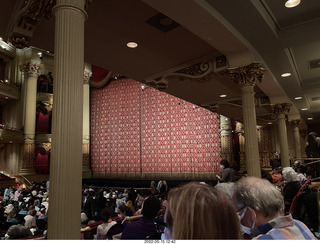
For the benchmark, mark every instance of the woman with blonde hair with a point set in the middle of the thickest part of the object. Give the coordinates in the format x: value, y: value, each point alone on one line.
x: 198, y: 211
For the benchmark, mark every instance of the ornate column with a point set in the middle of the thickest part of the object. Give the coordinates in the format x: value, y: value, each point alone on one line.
x: 31, y: 72
x: 66, y: 149
x: 226, y: 139
x: 297, y: 147
x: 86, y: 172
x: 281, y: 110
x: 246, y: 76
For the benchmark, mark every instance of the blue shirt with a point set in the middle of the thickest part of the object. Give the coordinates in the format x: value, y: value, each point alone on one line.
x: 282, y: 228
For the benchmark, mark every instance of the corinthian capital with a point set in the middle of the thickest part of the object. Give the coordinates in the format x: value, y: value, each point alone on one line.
x: 31, y: 69
x: 86, y: 76
x: 247, y: 74
x: 281, y: 108
x: 295, y: 123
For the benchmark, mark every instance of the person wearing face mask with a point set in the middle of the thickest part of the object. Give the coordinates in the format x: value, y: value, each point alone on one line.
x: 227, y: 174
x: 261, y: 209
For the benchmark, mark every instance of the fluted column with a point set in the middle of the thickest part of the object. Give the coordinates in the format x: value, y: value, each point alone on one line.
x: 31, y: 72
x: 86, y: 172
x: 281, y: 110
x: 246, y: 76
x: 66, y: 150
x: 297, y: 147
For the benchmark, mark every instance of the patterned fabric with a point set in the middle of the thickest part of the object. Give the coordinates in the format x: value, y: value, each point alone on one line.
x: 139, y: 131
x: 282, y: 228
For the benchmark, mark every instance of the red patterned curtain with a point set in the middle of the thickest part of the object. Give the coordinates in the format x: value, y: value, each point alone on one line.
x: 142, y: 131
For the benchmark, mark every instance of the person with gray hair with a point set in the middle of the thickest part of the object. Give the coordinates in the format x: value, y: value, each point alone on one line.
x: 260, y: 206
x: 226, y: 188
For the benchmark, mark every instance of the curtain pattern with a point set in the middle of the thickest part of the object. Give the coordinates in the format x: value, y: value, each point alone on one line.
x: 140, y: 131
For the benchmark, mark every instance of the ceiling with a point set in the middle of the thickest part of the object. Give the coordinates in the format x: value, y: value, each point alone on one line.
x: 265, y: 31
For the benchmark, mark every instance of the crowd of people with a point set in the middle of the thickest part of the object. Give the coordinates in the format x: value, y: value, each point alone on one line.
x: 247, y: 208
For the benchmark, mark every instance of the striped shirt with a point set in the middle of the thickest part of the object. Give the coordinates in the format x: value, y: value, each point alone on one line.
x: 282, y: 228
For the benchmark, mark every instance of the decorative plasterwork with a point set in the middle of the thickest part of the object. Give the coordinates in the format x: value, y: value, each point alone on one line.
x: 31, y: 69
x: 281, y: 108
x: 86, y: 76
x: 200, y: 71
x: 267, y: 117
x: 247, y: 74
x: 29, y: 15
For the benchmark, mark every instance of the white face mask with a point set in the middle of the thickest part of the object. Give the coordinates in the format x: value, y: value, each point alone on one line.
x: 246, y: 229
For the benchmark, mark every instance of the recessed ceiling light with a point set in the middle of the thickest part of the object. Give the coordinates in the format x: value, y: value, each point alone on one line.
x: 132, y: 44
x: 269, y: 123
x: 292, y: 3
x: 285, y: 74
x: 298, y: 98
x: 223, y: 95
x: 310, y: 118
x: 7, y: 98
x: 304, y: 109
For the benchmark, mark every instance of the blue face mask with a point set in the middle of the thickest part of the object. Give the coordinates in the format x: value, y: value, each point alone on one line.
x: 246, y: 229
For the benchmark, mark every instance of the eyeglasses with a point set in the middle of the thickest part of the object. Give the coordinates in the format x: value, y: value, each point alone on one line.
x: 240, y: 209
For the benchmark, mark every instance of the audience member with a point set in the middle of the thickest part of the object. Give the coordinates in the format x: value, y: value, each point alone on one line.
x: 18, y: 231
x: 227, y: 172
x: 198, y: 211
x: 30, y: 219
x: 144, y: 228
x: 277, y: 175
x: 312, y: 146
x: 103, y: 229
x: 261, y: 209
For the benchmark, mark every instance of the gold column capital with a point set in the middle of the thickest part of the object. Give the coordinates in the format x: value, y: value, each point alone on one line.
x: 31, y: 68
x: 295, y: 123
x: 281, y: 108
x: 86, y: 76
x: 247, y: 75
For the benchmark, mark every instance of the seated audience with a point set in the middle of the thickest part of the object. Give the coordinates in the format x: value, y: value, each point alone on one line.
x: 292, y: 185
x: 123, y: 213
x: 18, y: 231
x: 30, y: 219
x: 261, y: 209
x: 277, y: 175
x: 103, y: 229
x: 227, y: 172
x: 144, y: 228
x: 198, y: 211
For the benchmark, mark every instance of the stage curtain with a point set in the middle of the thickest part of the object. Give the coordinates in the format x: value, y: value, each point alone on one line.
x: 141, y: 131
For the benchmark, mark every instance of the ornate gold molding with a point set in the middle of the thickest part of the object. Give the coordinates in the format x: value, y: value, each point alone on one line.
x: 281, y: 108
x: 28, y: 16
x: 28, y: 156
x: 31, y: 69
x: 247, y: 75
